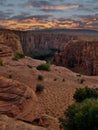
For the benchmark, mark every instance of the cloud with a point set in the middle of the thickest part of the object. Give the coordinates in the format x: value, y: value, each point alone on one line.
x: 25, y: 15
x: 35, y: 3
x: 59, y: 7
x: 5, y: 14
x: 2, y: 2
x: 39, y: 22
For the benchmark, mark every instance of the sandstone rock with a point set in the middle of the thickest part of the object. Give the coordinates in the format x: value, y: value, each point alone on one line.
x: 80, y: 56
x: 7, y: 123
x: 43, y: 43
x: 18, y: 100
x: 5, y: 51
x: 12, y: 40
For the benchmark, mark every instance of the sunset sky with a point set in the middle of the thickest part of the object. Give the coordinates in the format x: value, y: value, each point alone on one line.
x: 40, y: 14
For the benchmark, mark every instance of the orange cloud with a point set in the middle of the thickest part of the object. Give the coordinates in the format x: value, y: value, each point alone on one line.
x: 60, y: 7
x: 34, y: 23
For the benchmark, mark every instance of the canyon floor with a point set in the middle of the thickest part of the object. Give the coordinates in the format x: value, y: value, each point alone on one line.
x: 60, y: 84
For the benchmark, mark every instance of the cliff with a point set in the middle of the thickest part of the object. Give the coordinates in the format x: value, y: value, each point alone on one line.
x: 10, y: 39
x: 79, y: 56
x: 41, y: 45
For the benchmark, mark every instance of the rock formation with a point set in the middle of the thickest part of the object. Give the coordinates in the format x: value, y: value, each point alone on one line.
x: 7, y: 123
x: 43, y: 44
x: 12, y: 40
x: 18, y: 100
x: 80, y: 56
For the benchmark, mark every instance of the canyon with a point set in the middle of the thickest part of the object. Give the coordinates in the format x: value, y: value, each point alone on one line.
x: 21, y: 107
x: 60, y: 48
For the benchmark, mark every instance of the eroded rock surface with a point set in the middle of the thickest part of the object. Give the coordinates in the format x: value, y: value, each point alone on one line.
x: 7, y: 123
x: 18, y: 100
x: 80, y: 56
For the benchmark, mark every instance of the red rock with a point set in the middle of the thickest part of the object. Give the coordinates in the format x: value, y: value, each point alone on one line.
x: 80, y: 56
x: 7, y: 123
x: 18, y: 100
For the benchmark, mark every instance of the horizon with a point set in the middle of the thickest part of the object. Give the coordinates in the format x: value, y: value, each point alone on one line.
x: 48, y: 14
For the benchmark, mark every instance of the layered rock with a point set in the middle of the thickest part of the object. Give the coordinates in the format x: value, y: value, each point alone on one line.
x: 7, y: 123
x: 5, y: 51
x: 12, y: 40
x: 42, y: 44
x: 18, y: 100
x: 80, y: 56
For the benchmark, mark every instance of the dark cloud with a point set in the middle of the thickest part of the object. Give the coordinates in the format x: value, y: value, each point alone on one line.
x: 24, y: 16
x: 50, y: 10
x: 39, y: 3
x: 5, y: 14
x: 2, y: 2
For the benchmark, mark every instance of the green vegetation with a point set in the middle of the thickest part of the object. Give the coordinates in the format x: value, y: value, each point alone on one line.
x: 44, y: 66
x: 83, y: 93
x: 40, y: 77
x: 81, y: 81
x: 40, y: 88
x: 81, y: 116
x: 1, y: 62
x: 18, y: 56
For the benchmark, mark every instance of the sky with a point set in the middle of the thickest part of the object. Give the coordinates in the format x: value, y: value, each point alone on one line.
x: 41, y: 14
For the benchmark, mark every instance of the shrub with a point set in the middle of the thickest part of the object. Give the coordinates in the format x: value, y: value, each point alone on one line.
x: 83, y: 93
x: 1, y: 62
x: 39, y: 88
x: 81, y: 81
x: 40, y: 77
x: 45, y: 66
x: 18, y: 56
x: 81, y: 116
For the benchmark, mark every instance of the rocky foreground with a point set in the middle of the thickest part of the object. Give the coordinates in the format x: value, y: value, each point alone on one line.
x: 21, y: 107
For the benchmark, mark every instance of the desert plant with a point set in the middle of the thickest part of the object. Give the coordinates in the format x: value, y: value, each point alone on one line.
x: 81, y: 116
x: 83, y: 93
x: 44, y: 66
x: 81, y: 81
x: 39, y: 88
x: 1, y: 62
x: 18, y: 56
x: 40, y: 77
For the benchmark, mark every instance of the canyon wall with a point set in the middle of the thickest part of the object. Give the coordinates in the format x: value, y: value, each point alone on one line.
x: 79, y: 56
x: 69, y: 50
x: 42, y: 44
x: 10, y: 39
